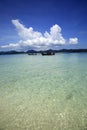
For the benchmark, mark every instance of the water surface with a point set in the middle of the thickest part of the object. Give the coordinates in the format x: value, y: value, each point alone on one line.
x: 43, y: 92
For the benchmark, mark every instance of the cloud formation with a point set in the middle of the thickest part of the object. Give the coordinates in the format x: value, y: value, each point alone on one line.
x: 34, y: 39
x: 73, y: 40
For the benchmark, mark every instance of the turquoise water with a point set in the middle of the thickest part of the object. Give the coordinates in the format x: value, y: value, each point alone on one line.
x: 43, y: 92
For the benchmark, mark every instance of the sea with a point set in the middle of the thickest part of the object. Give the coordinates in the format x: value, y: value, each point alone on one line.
x: 43, y: 92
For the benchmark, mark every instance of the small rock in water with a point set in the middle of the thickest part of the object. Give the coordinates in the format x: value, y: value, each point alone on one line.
x: 69, y: 96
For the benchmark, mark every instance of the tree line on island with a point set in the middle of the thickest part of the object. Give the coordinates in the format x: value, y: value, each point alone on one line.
x: 34, y: 52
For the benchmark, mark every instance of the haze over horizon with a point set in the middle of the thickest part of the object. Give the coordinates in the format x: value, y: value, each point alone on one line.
x: 43, y: 24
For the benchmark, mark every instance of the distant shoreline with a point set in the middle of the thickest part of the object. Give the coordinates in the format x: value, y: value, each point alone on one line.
x: 36, y: 52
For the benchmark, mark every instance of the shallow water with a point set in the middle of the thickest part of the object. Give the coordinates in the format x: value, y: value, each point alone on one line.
x: 43, y: 92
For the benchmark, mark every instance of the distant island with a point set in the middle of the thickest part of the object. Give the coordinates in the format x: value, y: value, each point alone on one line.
x: 34, y: 52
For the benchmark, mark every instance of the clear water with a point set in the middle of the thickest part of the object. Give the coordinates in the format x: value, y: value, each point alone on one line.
x: 43, y: 92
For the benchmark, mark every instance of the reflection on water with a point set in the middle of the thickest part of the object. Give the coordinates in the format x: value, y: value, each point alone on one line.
x: 43, y: 93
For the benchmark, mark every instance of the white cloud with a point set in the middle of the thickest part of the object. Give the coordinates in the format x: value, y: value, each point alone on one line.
x: 73, y: 40
x: 11, y: 46
x: 25, y: 33
x: 34, y: 39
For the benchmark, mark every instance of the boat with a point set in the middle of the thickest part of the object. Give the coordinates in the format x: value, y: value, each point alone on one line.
x: 32, y: 53
x: 47, y: 53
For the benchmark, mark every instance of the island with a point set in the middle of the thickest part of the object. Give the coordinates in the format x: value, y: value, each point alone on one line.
x: 43, y: 52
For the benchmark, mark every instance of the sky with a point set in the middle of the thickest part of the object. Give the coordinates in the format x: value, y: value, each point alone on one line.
x: 43, y: 24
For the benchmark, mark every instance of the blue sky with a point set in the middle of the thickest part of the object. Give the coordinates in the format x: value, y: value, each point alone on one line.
x: 43, y: 24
